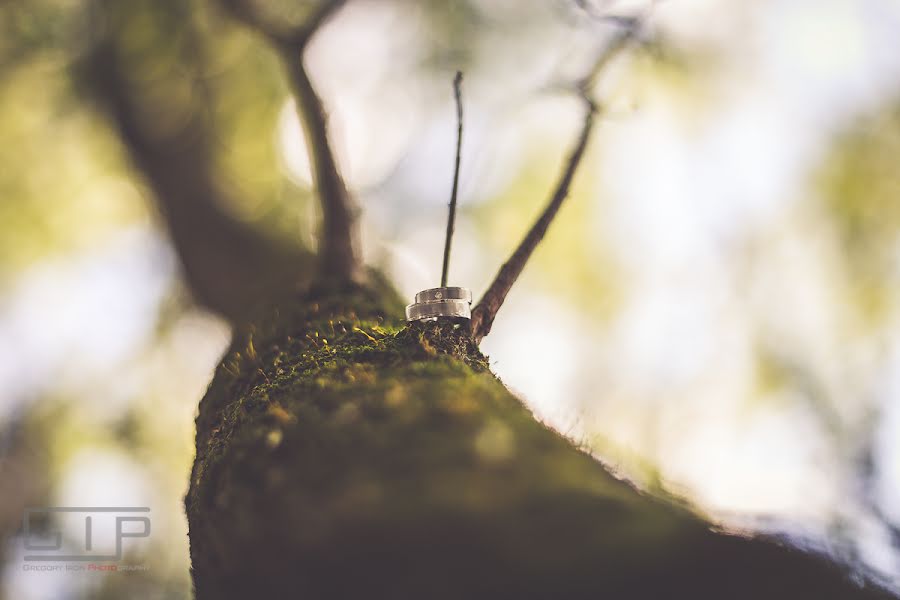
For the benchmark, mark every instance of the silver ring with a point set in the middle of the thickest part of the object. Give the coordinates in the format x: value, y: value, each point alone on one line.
x: 444, y: 293
x: 438, y: 308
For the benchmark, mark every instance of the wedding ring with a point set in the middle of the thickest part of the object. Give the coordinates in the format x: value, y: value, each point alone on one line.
x: 441, y: 302
x: 444, y: 293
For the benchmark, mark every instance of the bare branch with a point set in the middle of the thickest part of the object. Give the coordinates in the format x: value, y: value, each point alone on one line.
x: 451, y: 219
x: 486, y: 310
x: 338, y: 260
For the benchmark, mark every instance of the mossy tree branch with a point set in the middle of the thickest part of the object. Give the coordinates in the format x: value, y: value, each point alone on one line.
x: 344, y: 454
x: 338, y: 259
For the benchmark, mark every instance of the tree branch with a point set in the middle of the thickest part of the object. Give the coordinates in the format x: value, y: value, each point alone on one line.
x: 486, y: 310
x: 451, y: 218
x: 228, y: 265
x: 338, y: 260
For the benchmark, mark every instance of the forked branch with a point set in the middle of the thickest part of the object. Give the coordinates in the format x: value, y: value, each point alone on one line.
x: 486, y: 310
x: 338, y: 260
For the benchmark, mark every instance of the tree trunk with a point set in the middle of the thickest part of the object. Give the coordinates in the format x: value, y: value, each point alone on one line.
x: 344, y: 454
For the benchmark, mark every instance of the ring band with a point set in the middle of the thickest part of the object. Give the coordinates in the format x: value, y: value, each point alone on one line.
x: 444, y: 293
x: 439, y: 308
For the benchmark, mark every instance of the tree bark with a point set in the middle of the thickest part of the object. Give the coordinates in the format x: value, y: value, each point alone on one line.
x: 344, y: 454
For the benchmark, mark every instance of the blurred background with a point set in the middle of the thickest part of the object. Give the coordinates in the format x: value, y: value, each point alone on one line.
x: 715, y: 313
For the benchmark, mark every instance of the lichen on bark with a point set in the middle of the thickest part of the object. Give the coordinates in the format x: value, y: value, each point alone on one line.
x: 343, y: 453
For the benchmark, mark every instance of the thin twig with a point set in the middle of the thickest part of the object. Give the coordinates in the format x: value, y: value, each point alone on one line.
x: 451, y: 219
x: 338, y: 260
x: 486, y: 310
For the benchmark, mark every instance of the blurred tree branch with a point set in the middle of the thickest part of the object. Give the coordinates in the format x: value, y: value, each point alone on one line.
x: 229, y: 266
x: 338, y: 260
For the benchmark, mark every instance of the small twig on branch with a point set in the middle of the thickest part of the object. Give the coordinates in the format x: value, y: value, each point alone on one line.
x: 486, y: 310
x: 451, y: 219
x: 338, y: 260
